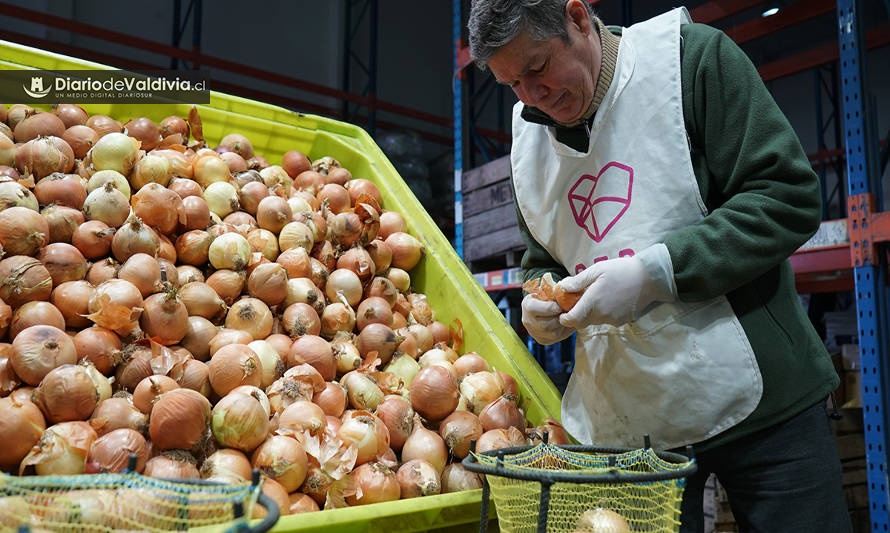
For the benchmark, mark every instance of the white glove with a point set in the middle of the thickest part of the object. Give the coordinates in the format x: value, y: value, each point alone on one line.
x: 541, y: 320
x: 618, y: 291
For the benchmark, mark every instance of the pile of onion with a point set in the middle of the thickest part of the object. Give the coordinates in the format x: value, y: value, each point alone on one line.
x: 214, y: 312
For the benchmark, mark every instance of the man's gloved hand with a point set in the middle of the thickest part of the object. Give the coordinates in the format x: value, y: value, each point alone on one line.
x: 618, y: 291
x: 541, y: 320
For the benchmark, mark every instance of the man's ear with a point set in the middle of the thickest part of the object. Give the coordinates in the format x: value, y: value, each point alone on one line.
x: 578, y: 16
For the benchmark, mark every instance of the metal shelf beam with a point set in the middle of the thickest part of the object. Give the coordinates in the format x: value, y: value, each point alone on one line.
x: 869, y: 266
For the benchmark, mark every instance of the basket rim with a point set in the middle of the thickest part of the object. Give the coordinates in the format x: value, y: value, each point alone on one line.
x: 550, y: 477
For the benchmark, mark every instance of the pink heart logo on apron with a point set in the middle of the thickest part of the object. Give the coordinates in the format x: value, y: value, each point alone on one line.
x: 598, y: 202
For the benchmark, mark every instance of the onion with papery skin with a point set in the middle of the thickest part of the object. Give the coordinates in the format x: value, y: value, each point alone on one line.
x: 362, y: 390
x: 434, y: 393
x: 456, y: 478
x: 42, y: 156
x: 66, y: 393
x: 80, y: 138
x: 159, y: 207
x: 316, y: 351
x: 227, y: 465
x: 601, y: 520
x: 480, y: 389
x: 150, y: 389
x: 107, y: 204
x: 299, y: 318
x: 38, y: 349
x: 270, y: 361
x: 379, y: 338
x: 375, y: 483
x: 62, y: 221
x: 164, y: 318
x: 61, y: 450
x: 23, y: 231
x: 458, y: 430
x: 426, y: 444
x: 115, y: 413
x: 268, y: 283
x: 23, y: 419
x: 233, y: 365
x: 179, y: 419
x: 495, y: 439
x: 252, y: 315
x: 364, y: 430
x: 239, y: 421
x: 229, y: 251
x: 283, y: 459
x: 112, y: 451
x: 397, y: 414
x: 418, y: 477
x: 115, y: 151
x: 172, y: 464
x: 302, y: 419
x: 502, y: 413
x: 331, y: 399
x: 34, y: 313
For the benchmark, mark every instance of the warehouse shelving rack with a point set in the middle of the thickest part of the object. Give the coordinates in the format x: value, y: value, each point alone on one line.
x: 851, y: 254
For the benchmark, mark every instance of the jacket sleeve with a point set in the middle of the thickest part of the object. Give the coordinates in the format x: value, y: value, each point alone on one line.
x: 762, y: 194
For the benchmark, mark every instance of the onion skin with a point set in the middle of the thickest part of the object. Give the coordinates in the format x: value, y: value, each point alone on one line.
x: 434, y: 393
x: 38, y: 349
x: 66, y: 393
x: 24, y: 420
x: 179, y: 419
x: 239, y: 421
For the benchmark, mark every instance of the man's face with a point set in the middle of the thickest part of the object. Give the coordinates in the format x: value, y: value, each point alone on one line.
x: 555, y: 76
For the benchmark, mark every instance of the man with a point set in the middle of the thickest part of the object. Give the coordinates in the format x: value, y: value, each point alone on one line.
x: 655, y: 174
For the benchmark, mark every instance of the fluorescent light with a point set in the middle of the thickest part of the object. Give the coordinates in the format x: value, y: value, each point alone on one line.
x: 770, y: 12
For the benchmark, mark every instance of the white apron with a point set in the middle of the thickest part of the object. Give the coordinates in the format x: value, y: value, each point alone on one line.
x: 683, y: 372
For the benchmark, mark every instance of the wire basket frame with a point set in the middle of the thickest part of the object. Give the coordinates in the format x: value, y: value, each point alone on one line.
x: 565, y: 483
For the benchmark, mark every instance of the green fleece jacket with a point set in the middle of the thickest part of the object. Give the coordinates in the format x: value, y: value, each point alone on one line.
x: 764, y: 202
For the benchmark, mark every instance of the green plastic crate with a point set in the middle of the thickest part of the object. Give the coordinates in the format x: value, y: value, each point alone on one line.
x: 451, y: 289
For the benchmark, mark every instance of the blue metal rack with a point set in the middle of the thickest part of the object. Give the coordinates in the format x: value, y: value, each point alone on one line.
x: 869, y: 272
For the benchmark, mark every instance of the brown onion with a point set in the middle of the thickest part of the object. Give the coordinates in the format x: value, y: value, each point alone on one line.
x: 93, y: 239
x: 331, y: 399
x: 418, y: 477
x: 23, y: 231
x: 239, y: 421
x: 24, y: 420
x: 149, y: 389
x: 252, y: 315
x: 179, y: 419
x: 425, y: 444
x: 315, y: 351
x: 458, y: 430
x: 282, y: 459
x: 434, y: 393
x: 397, y: 414
x: 38, y: 349
x: 227, y: 465
x: 233, y: 365
x: 164, y: 318
x: 456, y: 478
x: 115, y: 413
x: 112, y: 451
x: 172, y: 464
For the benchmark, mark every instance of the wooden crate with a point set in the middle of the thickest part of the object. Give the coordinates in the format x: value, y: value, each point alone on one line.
x: 490, y: 230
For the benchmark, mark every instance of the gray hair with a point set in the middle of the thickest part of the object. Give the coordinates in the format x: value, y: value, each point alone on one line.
x: 494, y: 23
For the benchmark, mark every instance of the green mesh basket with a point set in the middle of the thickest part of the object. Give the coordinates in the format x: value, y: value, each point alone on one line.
x: 575, y: 488
x: 130, y: 501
